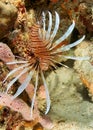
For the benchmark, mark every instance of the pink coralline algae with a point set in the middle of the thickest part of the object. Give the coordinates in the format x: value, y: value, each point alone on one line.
x: 20, y: 106
x: 6, y: 54
x: 16, y: 105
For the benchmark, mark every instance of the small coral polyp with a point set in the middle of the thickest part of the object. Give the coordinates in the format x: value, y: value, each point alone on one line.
x: 40, y: 53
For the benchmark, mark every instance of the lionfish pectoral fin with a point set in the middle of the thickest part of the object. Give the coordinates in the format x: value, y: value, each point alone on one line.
x: 14, y: 70
x: 34, y: 96
x: 42, y: 35
x: 56, y: 27
x: 44, y: 19
x: 68, y: 32
x: 49, y: 26
x: 77, y: 58
x: 16, y: 78
x: 47, y: 94
x: 16, y: 62
x: 60, y: 63
x: 24, y: 85
x: 66, y: 48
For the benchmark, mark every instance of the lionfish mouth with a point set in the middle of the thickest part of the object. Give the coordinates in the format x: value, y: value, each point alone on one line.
x: 25, y: 66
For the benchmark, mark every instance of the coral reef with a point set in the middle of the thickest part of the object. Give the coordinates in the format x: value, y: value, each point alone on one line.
x: 31, y: 51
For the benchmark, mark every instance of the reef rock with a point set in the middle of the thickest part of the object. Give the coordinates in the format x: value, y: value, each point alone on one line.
x: 8, y: 15
x: 85, y: 67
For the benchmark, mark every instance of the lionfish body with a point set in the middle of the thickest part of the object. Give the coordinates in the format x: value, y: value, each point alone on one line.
x: 41, y: 55
x: 39, y: 48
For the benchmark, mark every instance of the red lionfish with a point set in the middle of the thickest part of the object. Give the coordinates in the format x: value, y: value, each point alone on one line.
x: 42, y: 56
